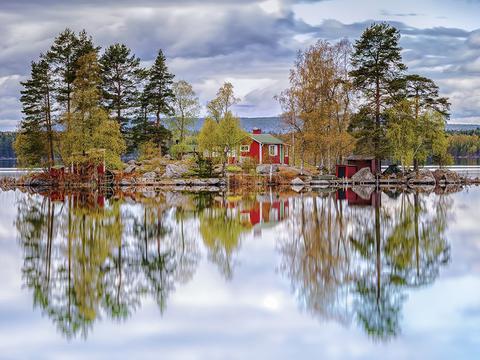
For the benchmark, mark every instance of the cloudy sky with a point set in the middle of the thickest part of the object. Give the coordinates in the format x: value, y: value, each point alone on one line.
x: 250, y: 43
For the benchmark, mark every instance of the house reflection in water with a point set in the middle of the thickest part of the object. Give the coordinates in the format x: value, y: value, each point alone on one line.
x: 364, y: 196
x: 262, y: 211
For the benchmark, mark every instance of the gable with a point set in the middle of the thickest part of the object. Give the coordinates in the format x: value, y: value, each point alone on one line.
x: 266, y: 139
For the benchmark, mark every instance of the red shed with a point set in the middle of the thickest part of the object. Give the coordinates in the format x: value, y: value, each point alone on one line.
x: 355, y: 163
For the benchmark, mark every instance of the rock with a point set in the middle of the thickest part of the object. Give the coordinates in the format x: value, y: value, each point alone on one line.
x: 175, y: 170
x: 126, y: 182
x: 158, y: 170
x: 297, y: 188
x: 187, y: 157
x: 447, y: 176
x: 364, y: 192
x: 130, y: 168
x: 266, y: 168
x: 131, y: 162
x: 297, y: 182
x: 217, y: 169
x: 149, y: 177
x: 167, y: 157
x: 421, y: 177
x: 363, y: 176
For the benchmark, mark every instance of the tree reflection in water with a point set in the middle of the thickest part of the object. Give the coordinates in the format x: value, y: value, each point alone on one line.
x: 352, y: 256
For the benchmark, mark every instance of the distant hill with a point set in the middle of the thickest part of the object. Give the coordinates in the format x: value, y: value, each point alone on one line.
x: 462, y: 127
x: 267, y: 124
x: 275, y: 125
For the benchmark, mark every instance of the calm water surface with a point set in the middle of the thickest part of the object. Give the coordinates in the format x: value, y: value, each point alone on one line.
x: 336, y: 275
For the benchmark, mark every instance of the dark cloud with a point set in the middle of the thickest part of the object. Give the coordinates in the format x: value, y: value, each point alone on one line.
x: 205, y: 43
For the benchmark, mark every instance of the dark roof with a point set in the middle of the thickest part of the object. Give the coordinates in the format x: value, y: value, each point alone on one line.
x: 266, y: 139
x: 360, y: 157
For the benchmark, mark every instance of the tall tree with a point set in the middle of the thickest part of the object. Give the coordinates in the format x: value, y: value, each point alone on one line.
x: 89, y: 127
x: 158, y: 90
x: 121, y: 75
x: 63, y: 55
x: 186, y: 109
x: 221, y: 105
x: 36, y: 128
x: 377, y: 63
x: 317, y: 104
x: 424, y: 96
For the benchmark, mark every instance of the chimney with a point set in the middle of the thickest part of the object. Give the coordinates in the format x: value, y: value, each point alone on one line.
x: 256, y: 130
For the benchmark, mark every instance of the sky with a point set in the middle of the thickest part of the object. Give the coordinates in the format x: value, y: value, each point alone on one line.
x: 250, y: 43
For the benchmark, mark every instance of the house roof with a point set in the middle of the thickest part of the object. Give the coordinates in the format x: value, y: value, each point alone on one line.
x: 266, y: 139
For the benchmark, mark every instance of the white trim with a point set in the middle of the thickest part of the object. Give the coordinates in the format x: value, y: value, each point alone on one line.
x: 275, y: 150
x: 244, y: 148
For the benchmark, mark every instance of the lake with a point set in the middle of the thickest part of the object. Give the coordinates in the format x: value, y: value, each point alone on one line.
x: 333, y: 274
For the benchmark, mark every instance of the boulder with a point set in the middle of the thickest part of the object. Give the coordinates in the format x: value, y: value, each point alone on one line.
x: 265, y: 169
x: 130, y: 168
x: 363, y: 176
x: 131, y: 162
x: 422, y: 177
x: 187, y: 157
x: 126, y: 182
x: 149, y: 176
x: 447, y: 176
x: 297, y: 182
x: 364, y: 192
x: 217, y: 169
x: 297, y: 188
x: 175, y: 170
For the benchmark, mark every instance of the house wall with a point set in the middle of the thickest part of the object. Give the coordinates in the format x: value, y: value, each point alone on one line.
x: 254, y: 154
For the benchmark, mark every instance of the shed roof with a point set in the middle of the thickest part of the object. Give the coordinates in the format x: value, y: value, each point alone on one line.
x: 360, y: 157
x: 266, y: 139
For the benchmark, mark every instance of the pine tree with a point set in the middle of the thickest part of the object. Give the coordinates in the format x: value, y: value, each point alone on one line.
x: 377, y: 64
x: 158, y: 91
x: 63, y: 55
x: 121, y: 75
x: 36, y: 127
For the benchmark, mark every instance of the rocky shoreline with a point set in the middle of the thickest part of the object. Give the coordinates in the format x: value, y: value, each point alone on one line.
x: 169, y: 175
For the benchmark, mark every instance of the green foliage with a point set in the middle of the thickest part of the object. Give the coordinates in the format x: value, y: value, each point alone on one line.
x: 204, y: 166
x: 148, y: 150
x: 63, y: 58
x: 186, y: 109
x: 225, y: 99
x: 402, y: 134
x: 158, y: 90
x: 37, y: 124
x: 88, y: 127
x: 222, y: 138
x: 121, y: 75
x: 377, y: 64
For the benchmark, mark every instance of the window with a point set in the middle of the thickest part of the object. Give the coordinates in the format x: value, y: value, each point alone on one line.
x: 245, y: 148
x: 273, y: 150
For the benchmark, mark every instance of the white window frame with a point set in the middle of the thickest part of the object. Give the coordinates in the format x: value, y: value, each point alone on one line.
x: 245, y: 148
x: 275, y: 150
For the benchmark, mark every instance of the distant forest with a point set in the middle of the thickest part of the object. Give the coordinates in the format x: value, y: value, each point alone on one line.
x: 464, y: 140
x: 6, y: 145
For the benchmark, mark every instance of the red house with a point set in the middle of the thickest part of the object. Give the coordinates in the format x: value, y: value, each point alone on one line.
x: 264, y: 149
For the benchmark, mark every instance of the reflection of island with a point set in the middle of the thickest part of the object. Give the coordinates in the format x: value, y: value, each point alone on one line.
x: 350, y: 256
x: 84, y: 257
x: 355, y: 263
